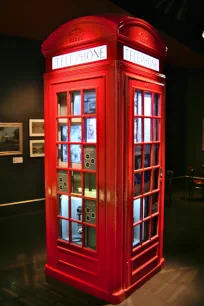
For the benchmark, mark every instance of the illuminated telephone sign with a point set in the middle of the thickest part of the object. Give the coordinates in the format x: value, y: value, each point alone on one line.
x: 80, y: 57
x: 140, y: 58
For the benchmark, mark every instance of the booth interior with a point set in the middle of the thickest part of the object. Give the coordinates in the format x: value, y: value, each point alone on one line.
x: 22, y: 197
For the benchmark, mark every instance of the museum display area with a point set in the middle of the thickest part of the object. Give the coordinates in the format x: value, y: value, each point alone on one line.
x: 104, y: 154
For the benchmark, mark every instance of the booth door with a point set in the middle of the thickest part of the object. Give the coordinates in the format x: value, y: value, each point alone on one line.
x: 145, y: 189
x: 76, y: 157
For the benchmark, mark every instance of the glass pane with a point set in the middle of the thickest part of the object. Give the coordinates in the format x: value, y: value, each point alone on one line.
x: 147, y: 104
x: 146, y: 205
x: 137, y: 184
x: 75, y: 132
x: 90, y: 185
x: 155, y: 203
x: 137, y: 130
x: 90, y: 101
x: 155, y: 154
x: 156, y: 129
x: 136, y: 210
x: 90, y: 211
x: 138, y: 157
x: 62, y: 130
x: 138, y: 103
x: 75, y: 103
x: 63, y: 155
x: 75, y: 152
x: 77, y: 233
x: 90, y: 130
x: 76, y: 186
x: 145, y: 230
x: 63, y: 205
x: 90, y: 237
x: 136, y: 235
x: 147, y: 156
x: 147, y: 130
x: 62, y: 181
x: 62, y: 103
x: 156, y: 105
x: 63, y: 232
x: 90, y: 157
x: 154, y: 226
x: 155, y: 178
x: 147, y: 176
x: 76, y: 208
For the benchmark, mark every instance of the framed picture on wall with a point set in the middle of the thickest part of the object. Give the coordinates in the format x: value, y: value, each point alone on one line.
x: 37, y: 148
x: 36, y: 127
x: 11, y: 138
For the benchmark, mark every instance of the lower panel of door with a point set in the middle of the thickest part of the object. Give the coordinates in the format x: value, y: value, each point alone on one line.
x: 66, y: 276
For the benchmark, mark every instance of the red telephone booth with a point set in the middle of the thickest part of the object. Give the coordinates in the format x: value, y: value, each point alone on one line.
x: 104, y: 154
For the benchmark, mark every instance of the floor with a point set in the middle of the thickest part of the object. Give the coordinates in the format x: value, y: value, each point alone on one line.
x: 180, y: 283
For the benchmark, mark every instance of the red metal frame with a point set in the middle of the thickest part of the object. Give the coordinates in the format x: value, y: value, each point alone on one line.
x: 115, y: 269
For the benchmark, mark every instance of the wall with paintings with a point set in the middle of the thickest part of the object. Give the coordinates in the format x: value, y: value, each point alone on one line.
x: 21, y: 99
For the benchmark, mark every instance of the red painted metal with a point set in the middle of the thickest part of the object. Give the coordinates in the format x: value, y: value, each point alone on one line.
x: 115, y: 269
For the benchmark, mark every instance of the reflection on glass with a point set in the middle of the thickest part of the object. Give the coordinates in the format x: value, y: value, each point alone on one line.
x: 136, y: 210
x: 90, y: 185
x: 137, y: 184
x: 154, y: 203
x: 75, y: 103
x: 90, y: 101
x: 155, y: 154
x: 145, y: 230
x: 62, y: 155
x: 137, y: 130
x: 76, y: 208
x: 76, y: 233
x: 90, y: 130
x: 136, y: 235
x: 138, y: 103
x: 156, y: 105
x: 155, y: 178
x: 76, y: 186
x: 62, y: 130
x: 147, y: 176
x: 75, y: 152
x: 90, y: 157
x: 154, y: 226
x: 62, y: 181
x: 63, y: 232
x: 90, y: 211
x: 62, y: 103
x: 147, y: 104
x: 138, y: 157
x: 75, y: 132
x: 155, y: 129
x: 146, y: 205
x: 147, y: 156
x: 90, y: 237
x: 63, y: 205
x: 147, y: 130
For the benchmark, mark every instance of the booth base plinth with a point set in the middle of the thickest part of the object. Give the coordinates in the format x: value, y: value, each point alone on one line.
x: 54, y: 275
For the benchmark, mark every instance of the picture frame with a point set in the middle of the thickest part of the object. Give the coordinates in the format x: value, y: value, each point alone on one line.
x: 11, y: 138
x: 36, y: 127
x: 37, y: 148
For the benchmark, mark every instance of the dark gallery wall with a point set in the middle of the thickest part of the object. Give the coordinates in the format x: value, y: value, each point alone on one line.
x: 21, y: 99
x: 184, y: 116
x: 175, y: 120
x: 194, y: 119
